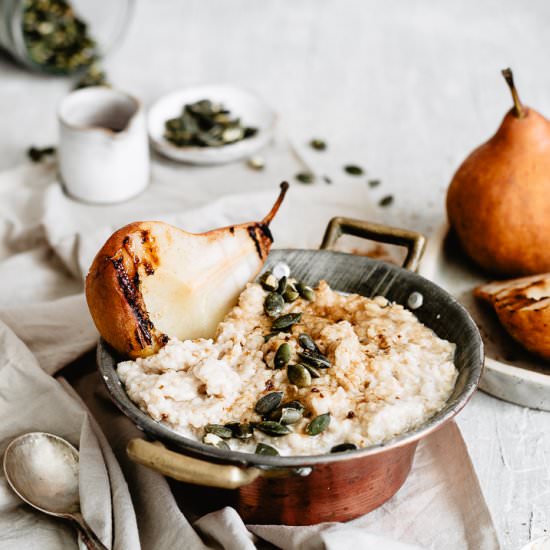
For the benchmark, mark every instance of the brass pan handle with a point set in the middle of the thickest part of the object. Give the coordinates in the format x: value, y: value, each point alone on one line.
x: 190, y: 470
x: 414, y: 242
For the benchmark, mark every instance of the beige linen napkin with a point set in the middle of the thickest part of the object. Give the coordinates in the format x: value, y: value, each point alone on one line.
x: 46, y: 325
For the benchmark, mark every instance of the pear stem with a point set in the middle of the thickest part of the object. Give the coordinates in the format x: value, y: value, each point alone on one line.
x: 519, y: 110
x: 284, y: 188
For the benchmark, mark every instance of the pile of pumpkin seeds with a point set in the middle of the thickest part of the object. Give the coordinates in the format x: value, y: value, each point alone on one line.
x: 55, y: 37
x: 206, y: 123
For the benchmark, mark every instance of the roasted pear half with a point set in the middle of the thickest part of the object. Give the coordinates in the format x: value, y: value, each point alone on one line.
x: 523, y: 307
x: 151, y: 280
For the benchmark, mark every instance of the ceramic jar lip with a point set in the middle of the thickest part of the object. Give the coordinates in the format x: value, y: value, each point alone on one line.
x: 99, y: 108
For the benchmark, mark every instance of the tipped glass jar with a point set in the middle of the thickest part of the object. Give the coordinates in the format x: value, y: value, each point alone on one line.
x: 62, y: 36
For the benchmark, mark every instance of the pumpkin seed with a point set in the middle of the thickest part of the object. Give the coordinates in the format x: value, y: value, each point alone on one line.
x: 282, y: 284
x: 326, y: 179
x: 215, y: 441
x: 256, y: 163
x: 274, y: 304
x: 266, y: 450
x: 312, y: 370
x: 307, y: 343
x: 274, y: 429
x: 386, y: 201
x: 290, y: 294
x: 353, y: 170
x: 286, y: 415
x: 318, y: 144
x: 305, y: 177
x: 217, y: 429
x: 269, y: 281
x: 282, y: 356
x: 269, y: 335
x: 318, y: 424
x: 315, y: 359
x: 293, y: 405
x: 268, y: 402
x: 305, y: 291
x: 374, y: 183
x: 343, y: 447
x: 240, y: 431
x: 298, y: 375
x: 286, y: 321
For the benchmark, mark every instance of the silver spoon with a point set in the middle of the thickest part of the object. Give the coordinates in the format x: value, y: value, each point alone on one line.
x: 42, y: 469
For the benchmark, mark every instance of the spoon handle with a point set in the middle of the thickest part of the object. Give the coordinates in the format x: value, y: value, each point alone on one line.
x: 89, y: 538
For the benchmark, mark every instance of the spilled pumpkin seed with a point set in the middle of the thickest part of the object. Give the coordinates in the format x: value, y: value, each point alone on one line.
x: 318, y: 144
x: 386, y: 201
x: 353, y: 170
x: 305, y: 177
x: 318, y: 424
x: 374, y: 183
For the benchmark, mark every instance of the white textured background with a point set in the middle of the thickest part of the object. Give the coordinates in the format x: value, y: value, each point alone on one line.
x: 404, y: 87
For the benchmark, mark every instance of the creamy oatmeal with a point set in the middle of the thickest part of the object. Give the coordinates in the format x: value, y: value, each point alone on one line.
x: 375, y: 372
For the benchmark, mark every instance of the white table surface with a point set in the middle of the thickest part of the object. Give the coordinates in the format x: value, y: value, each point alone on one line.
x: 403, y: 88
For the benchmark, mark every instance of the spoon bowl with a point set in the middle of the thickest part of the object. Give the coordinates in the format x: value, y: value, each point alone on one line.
x: 42, y: 469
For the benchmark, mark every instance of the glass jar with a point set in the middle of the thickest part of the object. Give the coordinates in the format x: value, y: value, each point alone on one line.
x: 106, y: 22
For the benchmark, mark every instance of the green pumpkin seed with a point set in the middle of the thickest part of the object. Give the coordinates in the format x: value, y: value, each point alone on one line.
x: 318, y: 144
x: 386, y: 201
x: 293, y: 405
x: 307, y: 343
x: 286, y: 415
x: 256, y: 163
x: 268, y: 402
x: 217, y: 429
x: 305, y: 177
x: 343, y: 447
x: 274, y: 429
x: 269, y: 281
x: 315, y: 359
x: 269, y: 335
x: 282, y: 356
x: 374, y: 183
x: 282, y: 285
x: 312, y: 370
x: 298, y: 375
x: 290, y: 294
x: 286, y: 321
x: 215, y: 441
x: 318, y: 424
x: 354, y: 170
x: 274, y: 304
x: 266, y: 450
x: 306, y: 292
x: 240, y: 431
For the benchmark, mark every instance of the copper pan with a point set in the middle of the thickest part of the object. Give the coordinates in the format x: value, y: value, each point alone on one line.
x: 302, y: 490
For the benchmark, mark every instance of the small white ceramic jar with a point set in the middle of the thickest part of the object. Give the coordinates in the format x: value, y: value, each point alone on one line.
x: 103, y: 147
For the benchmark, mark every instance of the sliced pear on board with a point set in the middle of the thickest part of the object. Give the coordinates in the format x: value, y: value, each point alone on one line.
x: 523, y: 307
x: 151, y: 280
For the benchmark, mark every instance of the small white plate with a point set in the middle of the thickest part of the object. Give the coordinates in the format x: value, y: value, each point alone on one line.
x: 510, y: 373
x: 243, y: 104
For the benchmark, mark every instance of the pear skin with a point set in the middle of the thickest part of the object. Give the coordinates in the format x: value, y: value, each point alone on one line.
x: 498, y: 201
x: 151, y: 281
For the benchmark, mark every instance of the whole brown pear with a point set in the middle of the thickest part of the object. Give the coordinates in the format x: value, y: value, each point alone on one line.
x: 498, y: 201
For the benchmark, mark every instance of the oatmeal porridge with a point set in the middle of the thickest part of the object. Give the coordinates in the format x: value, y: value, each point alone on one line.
x: 293, y: 371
